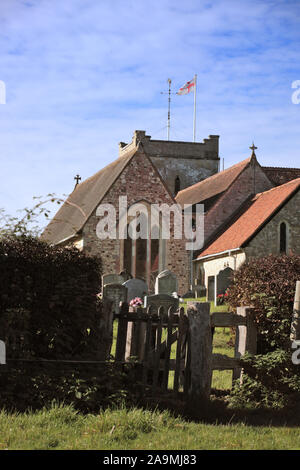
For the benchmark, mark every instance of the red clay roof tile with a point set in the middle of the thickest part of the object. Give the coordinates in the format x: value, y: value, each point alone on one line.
x: 260, y: 210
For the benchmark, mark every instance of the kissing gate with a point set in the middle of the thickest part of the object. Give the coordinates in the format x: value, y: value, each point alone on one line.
x: 173, y: 349
x: 158, y: 340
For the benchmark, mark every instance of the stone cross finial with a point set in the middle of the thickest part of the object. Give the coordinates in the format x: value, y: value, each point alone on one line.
x: 253, y: 148
x: 77, y: 178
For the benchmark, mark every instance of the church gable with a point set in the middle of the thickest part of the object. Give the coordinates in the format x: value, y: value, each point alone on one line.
x: 139, y: 182
x: 251, y: 180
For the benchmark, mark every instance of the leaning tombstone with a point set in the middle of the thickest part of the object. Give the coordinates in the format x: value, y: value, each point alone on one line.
x: 166, y: 283
x: 135, y: 288
x: 117, y: 293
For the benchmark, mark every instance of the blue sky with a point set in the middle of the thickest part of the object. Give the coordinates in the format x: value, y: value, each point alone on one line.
x: 82, y: 75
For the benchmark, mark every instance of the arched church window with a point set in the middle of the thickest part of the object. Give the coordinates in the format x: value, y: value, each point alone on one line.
x: 177, y: 185
x: 141, y: 251
x: 128, y: 253
x: 283, y: 238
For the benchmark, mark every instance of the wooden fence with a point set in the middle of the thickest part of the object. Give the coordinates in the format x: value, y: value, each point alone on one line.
x: 158, y: 341
x: 163, y: 342
x: 173, y: 350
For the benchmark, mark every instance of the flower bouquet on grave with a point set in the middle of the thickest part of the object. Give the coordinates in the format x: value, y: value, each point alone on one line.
x: 135, y: 303
x: 222, y: 298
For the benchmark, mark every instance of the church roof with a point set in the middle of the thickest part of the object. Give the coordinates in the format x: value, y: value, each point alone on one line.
x: 253, y: 216
x: 80, y: 204
x: 212, y: 186
x: 280, y: 175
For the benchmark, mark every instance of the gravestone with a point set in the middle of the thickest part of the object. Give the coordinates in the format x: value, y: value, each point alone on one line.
x: 166, y: 283
x: 117, y: 293
x: 211, y: 288
x: 200, y: 289
x: 136, y: 288
x: 115, y: 278
x: 224, y: 279
x: 161, y: 300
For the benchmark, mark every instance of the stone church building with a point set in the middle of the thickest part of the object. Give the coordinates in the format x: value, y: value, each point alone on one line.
x: 249, y: 210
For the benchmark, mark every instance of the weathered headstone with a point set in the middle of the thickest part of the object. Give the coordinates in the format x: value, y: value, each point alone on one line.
x: 115, y: 278
x: 161, y: 300
x: 136, y: 288
x: 117, y: 293
x: 224, y: 279
x: 199, y: 289
x: 211, y: 288
x: 166, y: 283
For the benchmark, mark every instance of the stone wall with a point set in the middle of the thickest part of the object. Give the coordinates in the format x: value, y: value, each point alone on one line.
x: 190, y: 161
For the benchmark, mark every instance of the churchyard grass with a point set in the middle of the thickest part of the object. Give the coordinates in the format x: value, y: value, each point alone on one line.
x: 60, y: 427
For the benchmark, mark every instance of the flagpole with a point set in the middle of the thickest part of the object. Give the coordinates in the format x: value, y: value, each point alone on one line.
x: 194, y: 132
x: 169, y: 109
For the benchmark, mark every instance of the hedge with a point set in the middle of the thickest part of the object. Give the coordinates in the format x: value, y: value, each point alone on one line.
x: 48, y: 303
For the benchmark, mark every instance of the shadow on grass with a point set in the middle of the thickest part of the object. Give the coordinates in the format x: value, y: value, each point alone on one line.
x: 217, y: 411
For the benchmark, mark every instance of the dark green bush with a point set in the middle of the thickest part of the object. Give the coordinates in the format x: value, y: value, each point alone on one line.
x: 268, y: 285
x: 270, y: 381
x: 48, y: 304
x: 87, y: 387
x: 49, y: 310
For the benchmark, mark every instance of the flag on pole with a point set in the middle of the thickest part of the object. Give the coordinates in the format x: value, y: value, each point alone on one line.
x: 187, y: 88
x: 184, y: 90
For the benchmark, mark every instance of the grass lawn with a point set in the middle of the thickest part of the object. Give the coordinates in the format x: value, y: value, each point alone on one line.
x: 134, y: 429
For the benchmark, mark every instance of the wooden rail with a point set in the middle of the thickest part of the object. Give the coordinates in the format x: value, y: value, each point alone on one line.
x: 201, y: 324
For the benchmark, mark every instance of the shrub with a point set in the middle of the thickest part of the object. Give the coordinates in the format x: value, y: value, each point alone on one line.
x: 268, y: 284
x: 87, y: 387
x: 48, y: 304
x: 269, y: 381
x: 49, y: 309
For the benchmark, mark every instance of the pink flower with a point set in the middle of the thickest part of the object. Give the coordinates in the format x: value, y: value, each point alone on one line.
x: 136, y: 302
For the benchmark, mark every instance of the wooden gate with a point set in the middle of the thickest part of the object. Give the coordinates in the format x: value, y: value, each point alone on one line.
x: 158, y: 342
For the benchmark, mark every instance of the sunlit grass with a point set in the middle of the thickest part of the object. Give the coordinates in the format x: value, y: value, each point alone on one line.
x: 62, y: 428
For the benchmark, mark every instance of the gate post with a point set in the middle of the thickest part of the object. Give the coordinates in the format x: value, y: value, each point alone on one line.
x: 295, y: 325
x: 200, y: 352
x: 2, y: 353
x: 245, y: 340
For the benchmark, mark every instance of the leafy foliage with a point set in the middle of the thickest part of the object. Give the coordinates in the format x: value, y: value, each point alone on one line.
x: 48, y: 300
x: 268, y: 284
x: 270, y: 381
x: 87, y: 387
x: 29, y: 221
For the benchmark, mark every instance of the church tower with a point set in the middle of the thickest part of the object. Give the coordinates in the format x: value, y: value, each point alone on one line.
x: 180, y: 164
